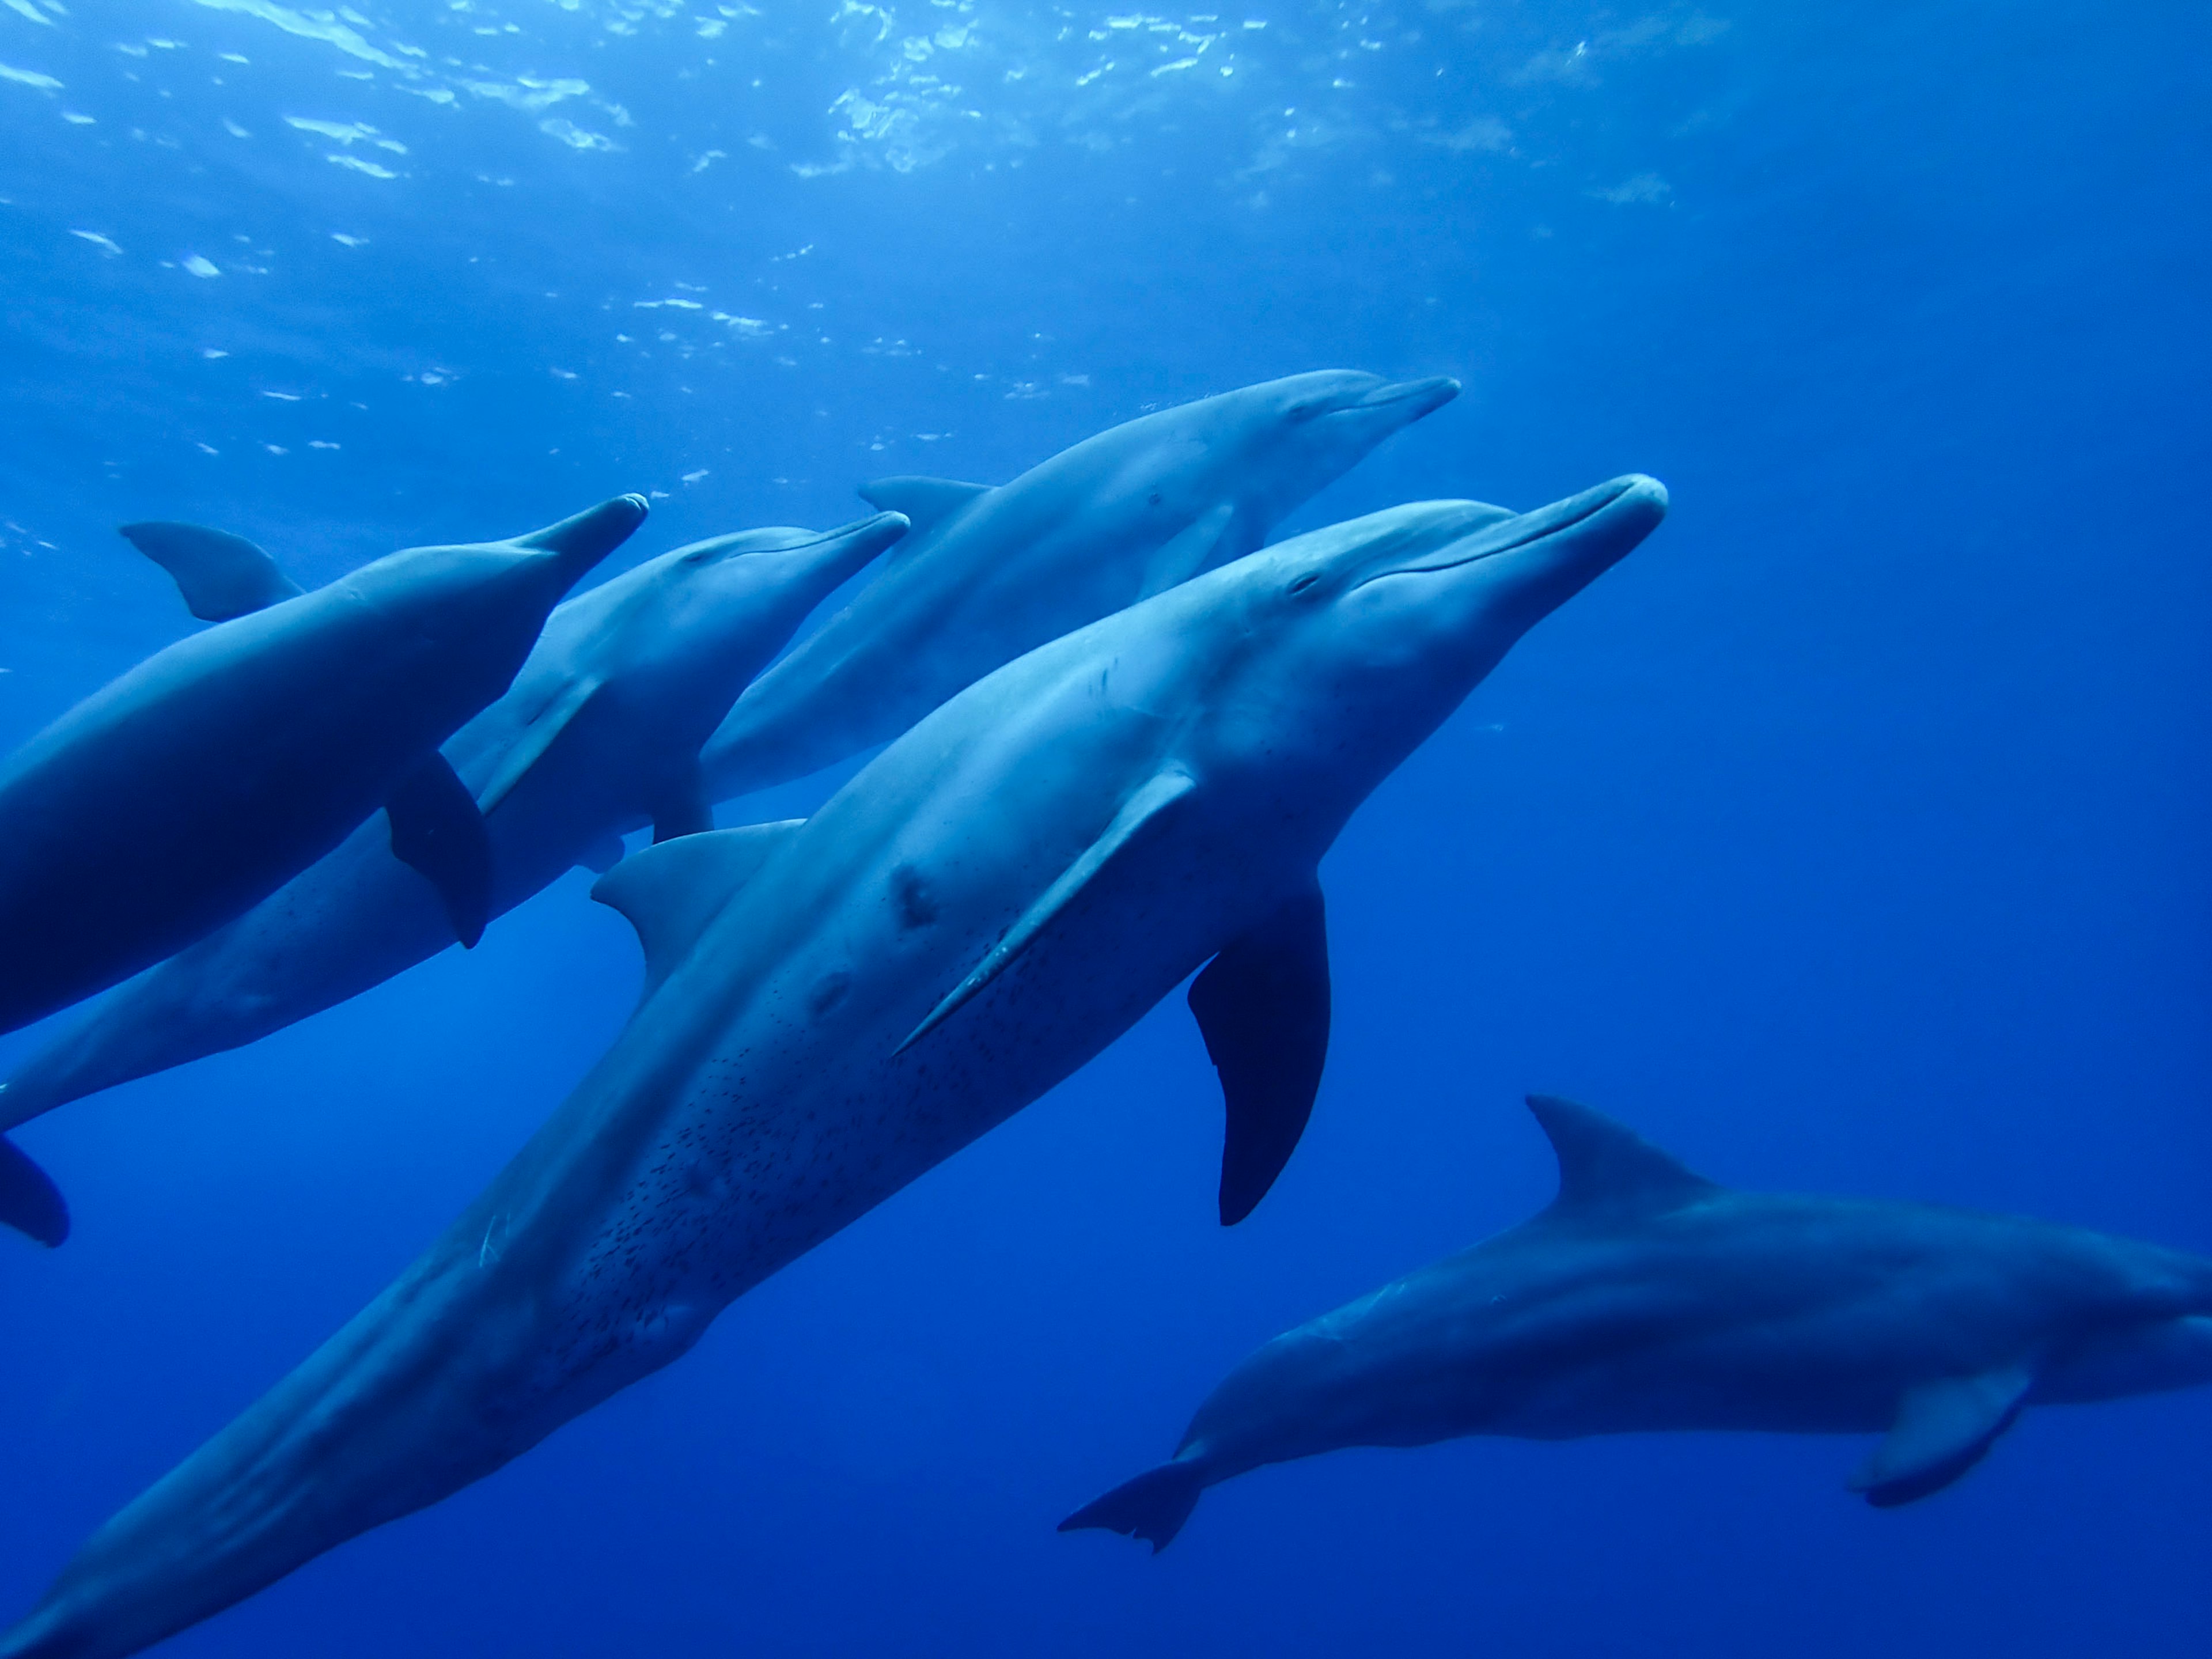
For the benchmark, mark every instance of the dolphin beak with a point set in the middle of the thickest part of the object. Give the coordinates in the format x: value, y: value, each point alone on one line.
x: 1418, y: 398
x: 871, y: 534
x: 581, y: 541
x: 845, y: 551
x: 1622, y: 511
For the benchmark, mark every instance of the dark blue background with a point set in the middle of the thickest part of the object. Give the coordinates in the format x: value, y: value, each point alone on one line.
x: 1851, y: 836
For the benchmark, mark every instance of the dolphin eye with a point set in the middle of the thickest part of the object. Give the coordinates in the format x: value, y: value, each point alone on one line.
x: 1302, y: 583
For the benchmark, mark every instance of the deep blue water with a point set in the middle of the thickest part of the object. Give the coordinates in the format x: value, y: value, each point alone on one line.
x: 1851, y: 836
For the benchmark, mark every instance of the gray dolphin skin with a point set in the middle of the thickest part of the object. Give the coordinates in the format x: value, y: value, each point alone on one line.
x: 989, y: 574
x: 833, y: 1007
x: 599, y: 734
x: 1646, y: 1297
x: 203, y: 780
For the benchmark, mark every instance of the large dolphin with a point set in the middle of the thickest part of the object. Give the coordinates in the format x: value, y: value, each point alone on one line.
x: 833, y: 1007
x: 991, y: 573
x: 193, y: 787
x: 600, y: 733
x: 1646, y: 1297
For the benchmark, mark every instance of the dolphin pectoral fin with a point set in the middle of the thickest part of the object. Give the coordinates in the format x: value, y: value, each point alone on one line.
x: 670, y: 891
x: 221, y: 575
x: 602, y: 856
x: 682, y: 807
x: 548, y: 723
x: 1159, y: 792
x: 927, y: 502
x: 1152, y: 1507
x: 1215, y: 536
x: 1942, y: 1430
x: 29, y: 1200
x: 435, y: 827
x: 1263, y: 1007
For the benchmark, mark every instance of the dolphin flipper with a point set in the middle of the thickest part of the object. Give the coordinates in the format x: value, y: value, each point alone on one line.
x: 927, y: 502
x: 548, y: 723
x: 435, y: 827
x: 221, y: 575
x: 1263, y: 1007
x: 1144, y: 803
x: 1152, y: 1507
x: 29, y: 1200
x: 1942, y: 1430
x: 1214, y: 538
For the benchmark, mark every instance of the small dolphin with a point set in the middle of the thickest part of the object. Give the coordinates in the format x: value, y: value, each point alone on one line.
x: 187, y: 791
x: 991, y: 573
x: 833, y: 1007
x: 599, y: 734
x: 212, y: 772
x: 1646, y: 1297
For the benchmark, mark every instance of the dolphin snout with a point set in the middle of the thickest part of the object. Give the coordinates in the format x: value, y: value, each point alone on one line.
x: 1420, y: 397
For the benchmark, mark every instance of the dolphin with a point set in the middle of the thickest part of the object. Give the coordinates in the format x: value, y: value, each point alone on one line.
x: 1647, y: 1297
x: 832, y: 1007
x: 189, y: 789
x: 193, y: 787
x: 989, y: 574
x: 599, y: 734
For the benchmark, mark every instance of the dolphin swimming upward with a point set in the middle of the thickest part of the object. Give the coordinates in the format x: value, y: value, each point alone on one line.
x: 991, y: 573
x: 832, y: 1008
x: 599, y: 734
x: 1646, y: 1297
x: 202, y: 781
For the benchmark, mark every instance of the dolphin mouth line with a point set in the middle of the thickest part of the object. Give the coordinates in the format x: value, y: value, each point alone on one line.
x: 1442, y: 387
x: 843, y: 532
x: 1540, y: 533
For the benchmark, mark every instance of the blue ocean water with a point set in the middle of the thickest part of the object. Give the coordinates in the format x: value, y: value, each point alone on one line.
x: 1848, y: 837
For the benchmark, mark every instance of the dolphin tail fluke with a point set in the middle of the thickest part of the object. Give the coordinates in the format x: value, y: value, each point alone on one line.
x: 29, y: 1200
x: 1152, y: 1507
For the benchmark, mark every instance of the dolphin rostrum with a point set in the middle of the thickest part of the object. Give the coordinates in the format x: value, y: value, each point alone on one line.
x: 991, y: 573
x: 599, y: 733
x: 1646, y: 1297
x: 833, y: 1007
x: 193, y: 787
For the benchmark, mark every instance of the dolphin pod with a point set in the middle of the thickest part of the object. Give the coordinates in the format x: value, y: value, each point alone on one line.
x: 833, y: 1007
x: 599, y: 734
x: 1647, y: 1297
x: 989, y: 574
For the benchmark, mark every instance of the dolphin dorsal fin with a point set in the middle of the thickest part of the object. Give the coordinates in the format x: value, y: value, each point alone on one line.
x: 1605, y: 1164
x: 221, y: 575
x: 670, y: 891
x: 927, y: 502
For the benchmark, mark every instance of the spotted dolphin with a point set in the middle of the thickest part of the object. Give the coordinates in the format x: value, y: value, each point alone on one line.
x: 833, y: 1007
x: 1647, y: 1297
x: 599, y: 734
x: 989, y: 574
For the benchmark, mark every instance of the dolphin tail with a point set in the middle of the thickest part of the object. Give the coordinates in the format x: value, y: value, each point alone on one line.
x: 29, y: 1200
x: 1152, y: 1507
